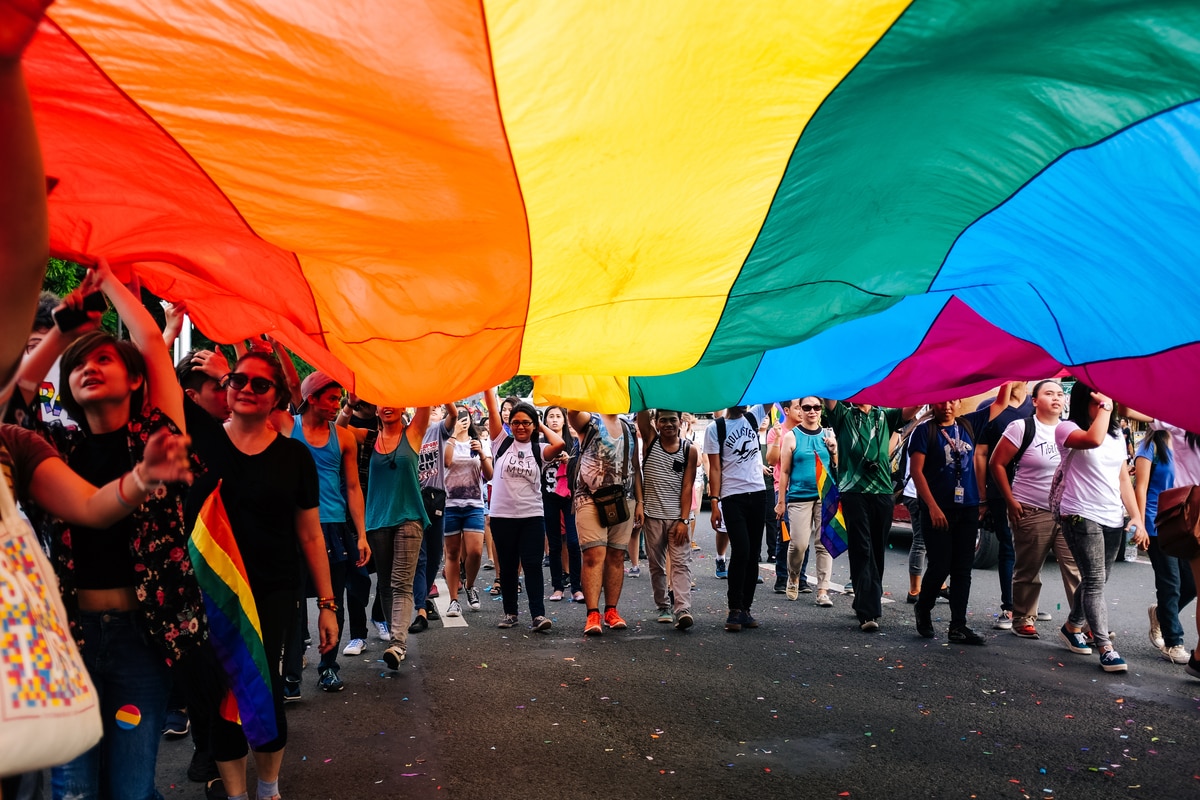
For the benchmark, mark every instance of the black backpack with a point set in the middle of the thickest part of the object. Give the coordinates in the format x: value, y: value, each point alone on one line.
x: 721, y: 432
x: 1026, y: 440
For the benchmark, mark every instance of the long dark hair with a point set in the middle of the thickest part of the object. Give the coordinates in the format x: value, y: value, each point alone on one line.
x: 1159, y: 444
x: 1077, y: 411
x: 472, y: 431
x: 84, y: 346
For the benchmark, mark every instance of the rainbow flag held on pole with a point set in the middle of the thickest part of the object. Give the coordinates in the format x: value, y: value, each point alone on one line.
x: 234, y: 627
x: 833, y: 525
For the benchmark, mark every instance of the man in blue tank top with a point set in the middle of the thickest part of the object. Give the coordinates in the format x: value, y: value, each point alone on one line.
x: 336, y: 453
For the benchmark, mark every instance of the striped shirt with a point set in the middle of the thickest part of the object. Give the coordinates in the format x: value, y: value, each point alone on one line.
x: 662, y: 479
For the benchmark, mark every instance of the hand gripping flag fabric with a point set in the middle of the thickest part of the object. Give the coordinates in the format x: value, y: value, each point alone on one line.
x: 234, y: 627
x: 649, y: 203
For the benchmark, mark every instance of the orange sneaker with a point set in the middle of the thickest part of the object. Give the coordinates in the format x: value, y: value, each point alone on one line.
x: 613, y: 620
x: 592, y: 628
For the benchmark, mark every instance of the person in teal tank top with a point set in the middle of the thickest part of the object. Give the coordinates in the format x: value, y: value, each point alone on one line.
x: 395, y: 516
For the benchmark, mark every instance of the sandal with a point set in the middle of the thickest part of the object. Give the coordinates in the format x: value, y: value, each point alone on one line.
x: 555, y: 596
x: 577, y: 597
x: 495, y: 590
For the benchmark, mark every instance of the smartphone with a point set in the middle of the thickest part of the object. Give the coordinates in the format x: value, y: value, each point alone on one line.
x: 68, y: 319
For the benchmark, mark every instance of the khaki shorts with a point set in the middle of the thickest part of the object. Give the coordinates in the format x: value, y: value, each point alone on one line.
x: 593, y: 534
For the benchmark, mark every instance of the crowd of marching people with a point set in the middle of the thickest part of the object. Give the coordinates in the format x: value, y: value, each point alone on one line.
x: 174, y: 497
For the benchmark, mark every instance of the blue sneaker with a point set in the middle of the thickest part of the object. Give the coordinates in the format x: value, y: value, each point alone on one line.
x: 1076, y: 642
x: 1111, y: 661
x: 723, y: 569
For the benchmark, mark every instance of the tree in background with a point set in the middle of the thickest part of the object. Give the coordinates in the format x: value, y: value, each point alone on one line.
x: 517, y: 386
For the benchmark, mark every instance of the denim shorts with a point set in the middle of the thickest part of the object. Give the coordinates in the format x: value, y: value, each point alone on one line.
x: 463, y: 518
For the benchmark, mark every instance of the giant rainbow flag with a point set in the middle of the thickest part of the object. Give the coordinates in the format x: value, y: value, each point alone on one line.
x: 234, y: 627
x: 679, y: 203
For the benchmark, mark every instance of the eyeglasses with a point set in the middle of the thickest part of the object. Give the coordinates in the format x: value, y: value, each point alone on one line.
x: 238, y: 380
x: 810, y: 408
x: 520, y: 423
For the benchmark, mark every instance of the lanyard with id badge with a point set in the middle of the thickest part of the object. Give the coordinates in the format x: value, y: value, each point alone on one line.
x: 958, y: 450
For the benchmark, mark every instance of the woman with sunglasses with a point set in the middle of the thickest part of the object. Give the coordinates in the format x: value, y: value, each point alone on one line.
x: 798, y: 496
x: 129, y: 589
x: 518, y: 521
x: 467, y: 467
x: 268, y: 485
x: 565, y: 566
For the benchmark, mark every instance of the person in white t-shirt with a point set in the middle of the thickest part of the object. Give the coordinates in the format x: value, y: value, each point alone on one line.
x: 1028, y: 499
x: 738, y: 497
x: 517, y: 517
x: 1096, y: 495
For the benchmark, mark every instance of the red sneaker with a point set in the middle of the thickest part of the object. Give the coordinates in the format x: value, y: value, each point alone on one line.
x: 592, y: 628
x: 1025, y: 631
x: 613, y: 620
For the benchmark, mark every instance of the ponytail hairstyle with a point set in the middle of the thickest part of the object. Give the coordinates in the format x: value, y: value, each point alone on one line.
x: 1081, y: 398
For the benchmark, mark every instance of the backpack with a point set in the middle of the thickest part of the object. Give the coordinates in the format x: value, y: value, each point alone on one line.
x: 1026, y: 440
x: 536, y: 447
x: 721, y: 432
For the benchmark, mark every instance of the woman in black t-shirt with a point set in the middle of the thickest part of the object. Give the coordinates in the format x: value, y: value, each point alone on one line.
x: 268, y: 485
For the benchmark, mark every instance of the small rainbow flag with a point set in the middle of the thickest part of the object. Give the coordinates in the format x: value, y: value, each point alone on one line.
x: 833, y: 525
x: 234, y: 627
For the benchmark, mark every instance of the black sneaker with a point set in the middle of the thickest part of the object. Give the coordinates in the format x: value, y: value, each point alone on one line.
x: 780, y: 584
x: 291, y: 691
x: 748, y: 621
x: 431, y: 611
x: 924, y: 622
x: 214, y: 789
x: 965, y: 635
x: 330, y: 680
x: 683, y: 621
x: 1193, y: 666
x: 176, y: 725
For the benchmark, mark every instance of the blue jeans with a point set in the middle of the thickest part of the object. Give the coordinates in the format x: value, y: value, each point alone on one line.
x: 1095, y: 548
x: 128, y: 672
x: 432, y: 544
x: 1174, y: 587
x: 519, y: 543
x: 998, y: 511
x: 916, y: 551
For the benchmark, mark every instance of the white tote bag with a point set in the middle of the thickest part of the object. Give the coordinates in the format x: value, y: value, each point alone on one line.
x: 49, y: 710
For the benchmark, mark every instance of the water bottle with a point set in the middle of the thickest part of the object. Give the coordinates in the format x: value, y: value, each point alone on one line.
x: 1131, y: 550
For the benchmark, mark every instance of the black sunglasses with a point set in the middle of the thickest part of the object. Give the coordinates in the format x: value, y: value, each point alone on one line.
x: 810, y: 408
x: 238, y: 380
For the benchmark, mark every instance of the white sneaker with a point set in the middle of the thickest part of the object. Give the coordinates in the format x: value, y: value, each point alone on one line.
x: 1003, y: 621
x: 1177, y: 654
x: 384, y: 634
x: 1156, y: 637
x: 1044, y: 616
x: 454, y: 609
x: 354, y: 648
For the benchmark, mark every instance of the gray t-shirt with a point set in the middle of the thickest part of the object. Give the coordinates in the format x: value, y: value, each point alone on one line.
x: 431, y: 465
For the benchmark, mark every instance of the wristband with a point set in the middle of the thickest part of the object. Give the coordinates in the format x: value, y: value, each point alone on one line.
x: 121, y: 495
x: 327, y: 604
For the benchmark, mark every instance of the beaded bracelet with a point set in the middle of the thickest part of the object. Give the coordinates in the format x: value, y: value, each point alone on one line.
x: 329, y: 603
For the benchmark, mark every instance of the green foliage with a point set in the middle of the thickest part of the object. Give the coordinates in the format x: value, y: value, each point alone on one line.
x: 517, y: 385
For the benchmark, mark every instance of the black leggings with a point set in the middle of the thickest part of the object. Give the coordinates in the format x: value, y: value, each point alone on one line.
x: 276, y: 610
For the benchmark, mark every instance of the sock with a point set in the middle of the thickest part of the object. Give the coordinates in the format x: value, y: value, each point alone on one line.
x: 267, y: 790
x: 242, y: 796
x: 608, y: 607
x: 593, y: 611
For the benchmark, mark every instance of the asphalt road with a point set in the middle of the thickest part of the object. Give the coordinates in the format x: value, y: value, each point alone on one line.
x: 807, y: 706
